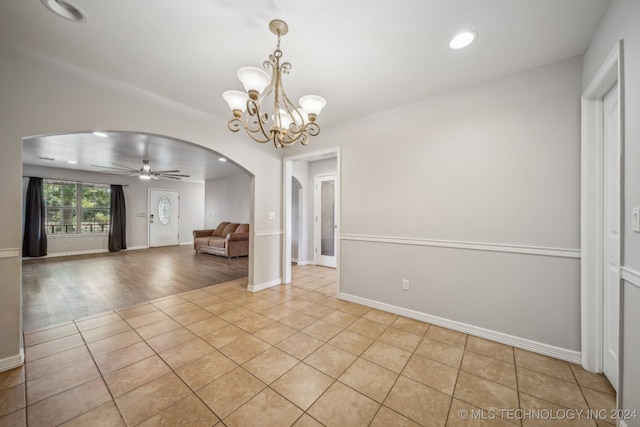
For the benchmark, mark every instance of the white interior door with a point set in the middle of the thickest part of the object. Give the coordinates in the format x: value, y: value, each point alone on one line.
x: 611, y: 238
x: 164, y: 215
x: 325, y: 221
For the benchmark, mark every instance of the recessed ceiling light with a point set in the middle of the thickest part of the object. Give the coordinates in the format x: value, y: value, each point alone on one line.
x: 72, y: 162
x: 101, y: 134
x: 463, y: 39
x: 222, y: 159
x: 65, y: 10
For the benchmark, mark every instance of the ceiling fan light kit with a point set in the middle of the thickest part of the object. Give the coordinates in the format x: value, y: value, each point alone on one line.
x: 285, y: 124
x: 145, y: 171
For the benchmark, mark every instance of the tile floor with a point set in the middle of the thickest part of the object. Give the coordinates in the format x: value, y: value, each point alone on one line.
x: 289, y: 355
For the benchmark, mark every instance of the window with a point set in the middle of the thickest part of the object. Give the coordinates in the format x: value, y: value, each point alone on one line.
x: 76, y: 208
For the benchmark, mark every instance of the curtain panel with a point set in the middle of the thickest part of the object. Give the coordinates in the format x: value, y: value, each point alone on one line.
x: 34, y: 242
x: 118, y: 220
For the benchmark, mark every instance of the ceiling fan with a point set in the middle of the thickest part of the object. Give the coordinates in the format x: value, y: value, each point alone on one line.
x: 144, y: 172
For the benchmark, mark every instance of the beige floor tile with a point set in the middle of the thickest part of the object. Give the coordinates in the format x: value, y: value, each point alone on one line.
x: 550, y: 388
x: 355, y: 309
x: 206, y: 369
x: 12, y: 377
x: 97, y: 320
x: 146, y: 319
x: 447, y: 336
x: 299, y: 345
x: 351, y: 341
x: 313, y: 297
x: 318, y: 311
x: 307, y: 420
x: 49, y: 334
x: 259, y: 305
x: 532, y: 403
x: 277, y: 313
x: 12, y: 399
x: 490, y: 369
x: 381, y: 317
x: 387, y: 417
x: 440, y: 352
x: 193, y: 295
x: 236, y: 314
x: 367, y: 327
x: 599, y: 400
x: 483, y: 393
x: 178, y: 309
x: 135, y: 375
x: 166, y: 302
x: 136, y: 310
x: 105, y: 331
x: 431, y: 373
x: 274, y: 333
x: 297, y: 304
x: 302, y: 385
x: 270, y: 365
x: 151, y: 398
x: 369, y: 379
x: 14, y: 419
x: 51, y: 347
x: 112, y: 343
x: 543, y: 364
x: 192, y: 316
x: 418, y: 402
x: 387, y: 356
x: 125, y: 356
x: 56, y: 361
x: 228, y: 393
x: 221, y: 307
x: 343, y: 406
x: 340, y: 318
x: 157, y: 328
x: 106, y: 415
x: 189, y: 412
x: 266, y: 409
x: 253, y: 323
x: 171, y: 339
x: 185, y: 353
x: 245, y: 349
x: 208, y: 300
x: 224, y: 336
x: 61, y: 380
x: 401, y: 339
x: 414, y: 326
x: 69, y: 404
x: 592, y: 380
x: 490, y: 348
x: 322, y: 330
x: 298, y: 321
x: 462, y: 414
x: 330, y: 360
x: 207, y: 325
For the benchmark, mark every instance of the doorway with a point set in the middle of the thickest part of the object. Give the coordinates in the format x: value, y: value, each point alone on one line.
x: 325, y: 221
x: 164, y: 217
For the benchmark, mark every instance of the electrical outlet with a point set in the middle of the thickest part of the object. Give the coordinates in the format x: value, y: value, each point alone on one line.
x: 405, y: 284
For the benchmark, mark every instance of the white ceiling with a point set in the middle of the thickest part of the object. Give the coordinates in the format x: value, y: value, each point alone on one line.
x: 363, y: 56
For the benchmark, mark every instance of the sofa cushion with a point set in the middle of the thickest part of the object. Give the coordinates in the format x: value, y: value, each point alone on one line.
x: 230, y: 228
x: 217, y: 242
x: 220, y: 229
x: 242, y: 228
x: 202, y: 241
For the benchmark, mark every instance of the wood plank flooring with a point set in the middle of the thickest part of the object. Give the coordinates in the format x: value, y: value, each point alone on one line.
x: 59, y: 289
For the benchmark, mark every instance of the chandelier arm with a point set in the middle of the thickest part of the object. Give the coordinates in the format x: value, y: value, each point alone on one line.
x: 254, y: 117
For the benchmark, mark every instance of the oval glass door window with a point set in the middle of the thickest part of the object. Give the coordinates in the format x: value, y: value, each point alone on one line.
x: 164, y: 210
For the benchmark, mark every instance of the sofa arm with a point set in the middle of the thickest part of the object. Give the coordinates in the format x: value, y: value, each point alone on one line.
x: 202, y: 233
x: 238, y: 236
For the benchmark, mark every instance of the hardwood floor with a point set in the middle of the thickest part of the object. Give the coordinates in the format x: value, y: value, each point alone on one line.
x: 59, y: 289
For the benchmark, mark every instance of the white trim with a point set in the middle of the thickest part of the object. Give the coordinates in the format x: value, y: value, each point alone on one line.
x: 265, y: 285
x: 475, y: 246
x: 186, y: 243
x: 631, y: 276
x: 267, y: 233
x: 306, y: 262
x: 523, y: 343
x: 12, y: 361
x: 136, y: 248
x: 9, y: 253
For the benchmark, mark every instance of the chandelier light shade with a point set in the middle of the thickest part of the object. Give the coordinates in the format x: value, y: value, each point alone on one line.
x: 264, y: 111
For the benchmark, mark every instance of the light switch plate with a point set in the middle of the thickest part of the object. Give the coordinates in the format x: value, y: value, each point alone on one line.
x: 272, y: 215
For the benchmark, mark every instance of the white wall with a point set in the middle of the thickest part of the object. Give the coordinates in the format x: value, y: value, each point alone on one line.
x: 622, y: 22
x: 41, y: 96
x: 474, y: 196
x: 227, y: 199
x: 136, y: 199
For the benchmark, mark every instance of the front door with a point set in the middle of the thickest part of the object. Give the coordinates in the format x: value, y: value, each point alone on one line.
x: 164, y: 215
x: 611, y: 238
x: 325, y: 221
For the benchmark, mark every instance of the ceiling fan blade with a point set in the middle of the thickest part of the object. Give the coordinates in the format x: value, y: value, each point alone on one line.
x: 124, y: 167
x: 169, y: 177
x: 153, y: 177
x: 174, y: 175
x: 161, y: 172
x: 116, y: 169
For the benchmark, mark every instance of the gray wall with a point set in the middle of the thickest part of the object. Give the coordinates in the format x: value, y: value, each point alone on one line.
x: 136, y: 199
x: 622, y: 22
x: 227, y: 199
x: 441, y: 192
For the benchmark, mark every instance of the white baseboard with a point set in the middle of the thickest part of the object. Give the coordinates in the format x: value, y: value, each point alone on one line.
x: 305, y: 262
x: 136, y: 248
x: 265, y: 285
x: 12, y: 361
x: 523, y: 343
x: 186, y: 243
x: 88, y: 252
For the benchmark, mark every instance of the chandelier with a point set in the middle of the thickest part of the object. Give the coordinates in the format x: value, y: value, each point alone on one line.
x: 285, y: 124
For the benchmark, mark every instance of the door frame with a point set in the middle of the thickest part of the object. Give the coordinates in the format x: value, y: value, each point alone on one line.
x: 287, y: 172
x: 149, y: 212
x: 317, y: 213
x: 592, y: 208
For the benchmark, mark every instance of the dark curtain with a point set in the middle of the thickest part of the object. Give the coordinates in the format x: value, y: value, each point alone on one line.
x: 118, y: 220
x: 34, y: 243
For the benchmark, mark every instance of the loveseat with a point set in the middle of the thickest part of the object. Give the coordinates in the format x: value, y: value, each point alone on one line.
x: 228, y: 239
